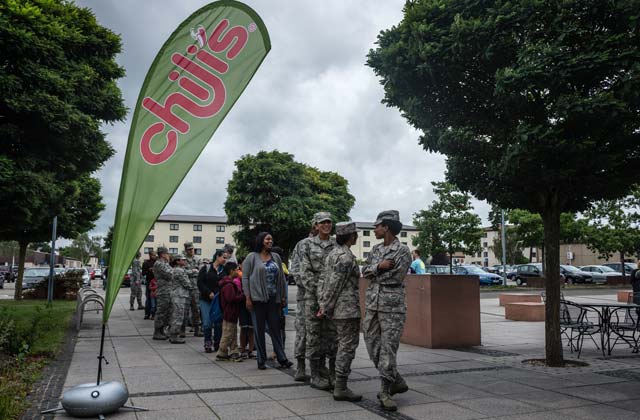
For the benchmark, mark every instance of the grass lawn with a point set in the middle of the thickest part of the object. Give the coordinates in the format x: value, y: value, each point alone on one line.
x: 30, y: 336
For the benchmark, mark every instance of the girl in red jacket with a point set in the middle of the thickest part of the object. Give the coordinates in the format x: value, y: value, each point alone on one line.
x: 231, y: 298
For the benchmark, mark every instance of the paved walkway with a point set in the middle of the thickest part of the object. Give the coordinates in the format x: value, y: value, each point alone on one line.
x: 488, y: 382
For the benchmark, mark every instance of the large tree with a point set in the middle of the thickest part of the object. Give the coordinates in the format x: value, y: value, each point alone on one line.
x: 611, y: 226
x: 535, y: 104
x: 83, y: 247
x: 513, y: 248
x: 448, y: 225
x: 58, y: 84
x: 272, y: 192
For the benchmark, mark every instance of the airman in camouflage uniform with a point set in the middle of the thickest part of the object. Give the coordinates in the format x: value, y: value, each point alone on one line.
x: 192, y: 268
x: 386, y: 309
x: 339, y: 298
x: 180, y: 299
x: 301, y: 332
x: 164, y: 278
x: 320, y: 333
x: 136, y: 283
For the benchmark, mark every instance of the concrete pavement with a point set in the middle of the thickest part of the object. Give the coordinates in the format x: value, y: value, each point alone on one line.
x: 486, y: 382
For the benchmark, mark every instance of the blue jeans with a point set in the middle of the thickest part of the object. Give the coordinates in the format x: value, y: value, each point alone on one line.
x: 205, y: 310
x: 152, y: 305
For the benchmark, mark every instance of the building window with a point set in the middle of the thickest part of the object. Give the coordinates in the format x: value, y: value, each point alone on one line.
x: 534, y: 254
x: 366, y: 244
x: 219, y: 228
x: 173, y: 239
x: 173, y: 250
x: 174, y: 226
x: 365, y: 233
x: 484, y: 235
x: 485, y: 244
x: 403, y: 234
x: 198, y: 251
x: 485, y: 254
x: 404, y: 243
x: 365, y: 255
x: 149, y: 238
x: 197, y: 228
x: 219, y: 239
x: 148, y: 250
x: 197, y: 239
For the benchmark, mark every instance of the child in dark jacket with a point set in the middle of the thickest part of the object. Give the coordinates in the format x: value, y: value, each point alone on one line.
x: 231, y: 298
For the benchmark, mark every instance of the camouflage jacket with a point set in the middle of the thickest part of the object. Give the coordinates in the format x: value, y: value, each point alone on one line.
x: 181, y: 283
x: 386, y: 289
x: 136, y: 272
x: 313, y: 253
x: 164, y: 276
x: 192, y: 268
x: 338, y: 292
x: 294, y: 267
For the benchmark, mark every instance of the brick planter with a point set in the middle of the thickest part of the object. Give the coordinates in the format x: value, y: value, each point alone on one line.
x: 518, y: 297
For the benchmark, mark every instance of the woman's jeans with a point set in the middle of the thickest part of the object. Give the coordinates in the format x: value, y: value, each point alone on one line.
x: 205, y: 311
x: 267, y: 313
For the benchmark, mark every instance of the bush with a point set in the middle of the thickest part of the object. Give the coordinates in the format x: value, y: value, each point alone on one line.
x: 65, y: 286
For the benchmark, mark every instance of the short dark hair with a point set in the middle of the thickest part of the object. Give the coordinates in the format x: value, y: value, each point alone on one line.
x: 417, y: 252
x: 259, y: 243
x: 230, y: 266
x: 342, y: 239
x: 394, y: 226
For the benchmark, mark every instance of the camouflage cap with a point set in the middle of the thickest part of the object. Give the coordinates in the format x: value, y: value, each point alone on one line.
x: 387, y: 215
x: 162, y: 250
x: 188, y: 245
x: 345, y: 228
x: 181, y: 257
x: 321, y: 216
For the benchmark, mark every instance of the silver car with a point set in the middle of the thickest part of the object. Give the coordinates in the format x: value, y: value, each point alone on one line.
x: 599, y: 273
x: 34, y: 275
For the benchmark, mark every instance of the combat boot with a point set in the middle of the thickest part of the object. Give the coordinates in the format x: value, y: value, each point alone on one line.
x: 342, y: 393
x: 317, y: 381
x: 386, y: 403
x: 158, y: 334
x: 300, y: 375
x: 398, y: 386
x: 197, y: 332
x: 182, y: 333
x: 332, y: 372
x: 176, y: 339
x: 131, y: 308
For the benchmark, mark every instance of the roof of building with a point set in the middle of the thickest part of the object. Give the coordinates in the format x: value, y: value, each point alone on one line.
x: 223, y: 220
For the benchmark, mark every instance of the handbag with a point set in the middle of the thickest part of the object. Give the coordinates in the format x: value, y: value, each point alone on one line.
x: 215, y: 313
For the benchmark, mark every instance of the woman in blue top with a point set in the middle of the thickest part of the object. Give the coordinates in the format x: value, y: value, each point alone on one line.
x: 264, y: 287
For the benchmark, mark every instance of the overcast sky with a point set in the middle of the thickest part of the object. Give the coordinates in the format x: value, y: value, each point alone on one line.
x: 313, y: 97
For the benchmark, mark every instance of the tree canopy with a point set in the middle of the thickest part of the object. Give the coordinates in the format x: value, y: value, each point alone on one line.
x: 272, y: 192
x: 58, y: 83
x: 448, y: 225
x: 535, y: 105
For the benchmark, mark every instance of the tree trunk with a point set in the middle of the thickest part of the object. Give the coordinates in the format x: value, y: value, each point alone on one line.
x: 551, y: 252
x: 624, y: 270
x: 450, y: 263
x: 531, y: 254
x: 23, y: 254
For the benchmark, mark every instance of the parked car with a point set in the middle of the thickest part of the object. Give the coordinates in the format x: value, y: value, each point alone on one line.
x: 574, y: 274
x: 34, y: 275
x: 628, y: 267
x: 436, y: 269
x: 527, y: 271
x: 96, y: 273
x: 126, y: 281
x: 599, y: 273
x: 485, y: 278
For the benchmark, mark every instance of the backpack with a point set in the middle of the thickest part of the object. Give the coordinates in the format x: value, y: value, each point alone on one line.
x: 215, y: 313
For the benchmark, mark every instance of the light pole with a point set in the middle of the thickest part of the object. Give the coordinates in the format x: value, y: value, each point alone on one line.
x: 504, y: 249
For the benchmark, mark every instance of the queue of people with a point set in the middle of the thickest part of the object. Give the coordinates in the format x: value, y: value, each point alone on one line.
x: 220, y: 296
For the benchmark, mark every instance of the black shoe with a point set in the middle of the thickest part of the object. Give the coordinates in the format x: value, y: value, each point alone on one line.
x: 262, y: 367
x: 286, y: 364
x: 146, y: 317
x: 216, y: 346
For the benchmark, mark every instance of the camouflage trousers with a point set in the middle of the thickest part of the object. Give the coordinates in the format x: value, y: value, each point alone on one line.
x: 136, y: 293
x: 193, y: 310
x: 179, y: 307
x: 348, y: 337
x: 301, y: 332
x: 320, y: 333
x: 163, y: 309
x: 382, y: 332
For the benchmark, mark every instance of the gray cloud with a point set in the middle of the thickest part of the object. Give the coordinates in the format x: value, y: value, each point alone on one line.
x: 312, y: 97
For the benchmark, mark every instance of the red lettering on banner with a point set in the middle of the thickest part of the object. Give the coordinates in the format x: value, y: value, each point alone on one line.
x: 145, y: 144
x: 194, y: 88
x: 212, y: 61
x: 213, y: 81
x: 237, y: 35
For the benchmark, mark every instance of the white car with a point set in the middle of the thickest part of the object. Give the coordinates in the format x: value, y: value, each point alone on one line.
x: 599, y: 273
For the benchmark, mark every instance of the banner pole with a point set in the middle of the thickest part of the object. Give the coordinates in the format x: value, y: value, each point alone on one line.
x: 101, y: 356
